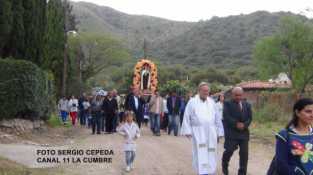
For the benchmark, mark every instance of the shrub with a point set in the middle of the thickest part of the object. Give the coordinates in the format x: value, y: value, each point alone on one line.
x: 270, y: 112
x: 25, y: 91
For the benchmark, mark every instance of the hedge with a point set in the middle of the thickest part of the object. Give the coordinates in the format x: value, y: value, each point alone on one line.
x: 25, y: 91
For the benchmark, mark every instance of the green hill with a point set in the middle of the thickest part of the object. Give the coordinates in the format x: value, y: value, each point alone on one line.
x: 132, y: 29
x: 222, y: 42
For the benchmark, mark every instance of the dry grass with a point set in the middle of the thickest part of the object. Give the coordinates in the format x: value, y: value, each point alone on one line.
x: 8, y: 167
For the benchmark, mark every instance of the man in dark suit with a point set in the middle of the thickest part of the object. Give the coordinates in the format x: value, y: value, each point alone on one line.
x: 237, y: 116
x: 136, y: 104
x: 110, y: 109
x: 127, y: 98
x: 173, y: 106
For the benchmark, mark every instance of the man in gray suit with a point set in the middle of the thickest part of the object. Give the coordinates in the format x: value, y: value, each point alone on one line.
x: 237, y: 116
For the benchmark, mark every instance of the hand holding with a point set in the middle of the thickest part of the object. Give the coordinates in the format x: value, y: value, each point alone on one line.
x: 240, y: 125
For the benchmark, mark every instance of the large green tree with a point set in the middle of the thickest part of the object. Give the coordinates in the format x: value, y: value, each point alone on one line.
x: 54, y: 41
x: 98, y: 60
x: 15, y: 46
x: 34, y: 27
x: 290, y: 50
x: 22, y: 23
x: 60, y: 21
x: 6, y: 18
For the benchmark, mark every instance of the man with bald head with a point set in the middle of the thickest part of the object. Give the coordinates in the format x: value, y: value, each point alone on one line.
x: 237, y: 116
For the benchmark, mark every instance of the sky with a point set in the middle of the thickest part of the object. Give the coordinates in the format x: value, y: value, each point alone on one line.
x: 195, y: 10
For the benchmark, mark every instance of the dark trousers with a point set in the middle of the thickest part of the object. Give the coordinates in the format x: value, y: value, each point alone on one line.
x: 138, y: 120
x: 96, y: 124
x: 164, y: 123
x: 102, y: 126
x: 181, y: 117
x: 230, y: 146
x: 109, y: 123
x: 82, y: 117
x: 115, y: 121
x: 121, y: 117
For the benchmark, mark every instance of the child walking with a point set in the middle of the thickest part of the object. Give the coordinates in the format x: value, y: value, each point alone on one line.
x: 130, y: 130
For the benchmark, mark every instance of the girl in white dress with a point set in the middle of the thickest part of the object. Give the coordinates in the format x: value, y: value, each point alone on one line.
x: 130, y: 131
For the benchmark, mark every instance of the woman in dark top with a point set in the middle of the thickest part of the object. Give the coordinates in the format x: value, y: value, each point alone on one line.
x: 294, y: 153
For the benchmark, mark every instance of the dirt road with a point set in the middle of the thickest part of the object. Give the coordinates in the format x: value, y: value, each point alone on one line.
x: 165, y: 155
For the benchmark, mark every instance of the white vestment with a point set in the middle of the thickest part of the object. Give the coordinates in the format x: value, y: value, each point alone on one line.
x: 202, y: 121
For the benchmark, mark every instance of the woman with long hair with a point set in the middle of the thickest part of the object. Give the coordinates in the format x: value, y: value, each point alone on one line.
x: 294, y: 154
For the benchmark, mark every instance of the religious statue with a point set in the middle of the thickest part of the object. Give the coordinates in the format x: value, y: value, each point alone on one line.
x: 145, y: 77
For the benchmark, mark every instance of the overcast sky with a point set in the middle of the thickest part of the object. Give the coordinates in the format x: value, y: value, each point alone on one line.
x: 195, y: 10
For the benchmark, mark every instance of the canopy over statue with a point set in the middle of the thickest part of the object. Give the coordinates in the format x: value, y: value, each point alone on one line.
x: 145, y: 76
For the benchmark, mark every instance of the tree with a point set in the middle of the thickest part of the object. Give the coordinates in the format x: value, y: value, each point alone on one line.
x: 290, y: 50
x: 34, y: 28
x: 210, y: 75
x: 55, y: 39
x: 22, y: 23
x: 98, y: 60
x: 5, y: 24
x: 16, y: 46
x: 174, y: 86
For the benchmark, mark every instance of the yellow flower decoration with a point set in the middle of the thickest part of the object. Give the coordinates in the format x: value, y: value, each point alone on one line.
x: 137, y: 76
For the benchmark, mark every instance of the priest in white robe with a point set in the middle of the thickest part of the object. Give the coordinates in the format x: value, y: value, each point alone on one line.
x: 202, y: 124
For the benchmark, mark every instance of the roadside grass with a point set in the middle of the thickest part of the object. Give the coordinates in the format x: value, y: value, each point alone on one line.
x: 55, y: 121
x: 8, y: 167
x: 267, y: 121
x: 266, y: 131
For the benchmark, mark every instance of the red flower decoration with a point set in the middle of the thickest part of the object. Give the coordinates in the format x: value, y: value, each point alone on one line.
x: 297, y: 145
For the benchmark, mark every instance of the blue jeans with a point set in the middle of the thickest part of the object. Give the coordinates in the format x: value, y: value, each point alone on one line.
x: 64, y: 116
x: 130, y: 157
x: 173, y: 121
x: 155, y: 123
x: 89, y: 120
x: 151, y: 121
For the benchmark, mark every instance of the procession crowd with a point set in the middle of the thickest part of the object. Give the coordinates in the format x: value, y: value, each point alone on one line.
x: 201, y: 118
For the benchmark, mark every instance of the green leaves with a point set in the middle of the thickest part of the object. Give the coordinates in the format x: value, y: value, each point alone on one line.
x: 174, y: 86
x: 25, y: 90
x: 104, y: 61
x: 5, y: 24
x: 289, y: 50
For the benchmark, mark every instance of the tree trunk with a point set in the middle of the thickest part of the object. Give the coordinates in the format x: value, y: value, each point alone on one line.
x: 64, y: 76
x: 79, y: 66
x: 65, y: 59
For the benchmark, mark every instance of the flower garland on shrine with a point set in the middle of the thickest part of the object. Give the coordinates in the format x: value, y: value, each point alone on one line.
x: 153, y: 73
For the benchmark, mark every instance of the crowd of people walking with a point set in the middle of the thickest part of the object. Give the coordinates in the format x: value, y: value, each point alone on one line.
x: 199, y: 117
x: 103, y: 111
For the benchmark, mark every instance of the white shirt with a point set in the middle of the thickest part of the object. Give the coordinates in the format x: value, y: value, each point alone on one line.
x: 86, y: 105
x: 136, y: 102
x: 219, y: 108
x: 73, y: 105
x: 63, y: 105
x: 131, y: 132
x: 165, y: 110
